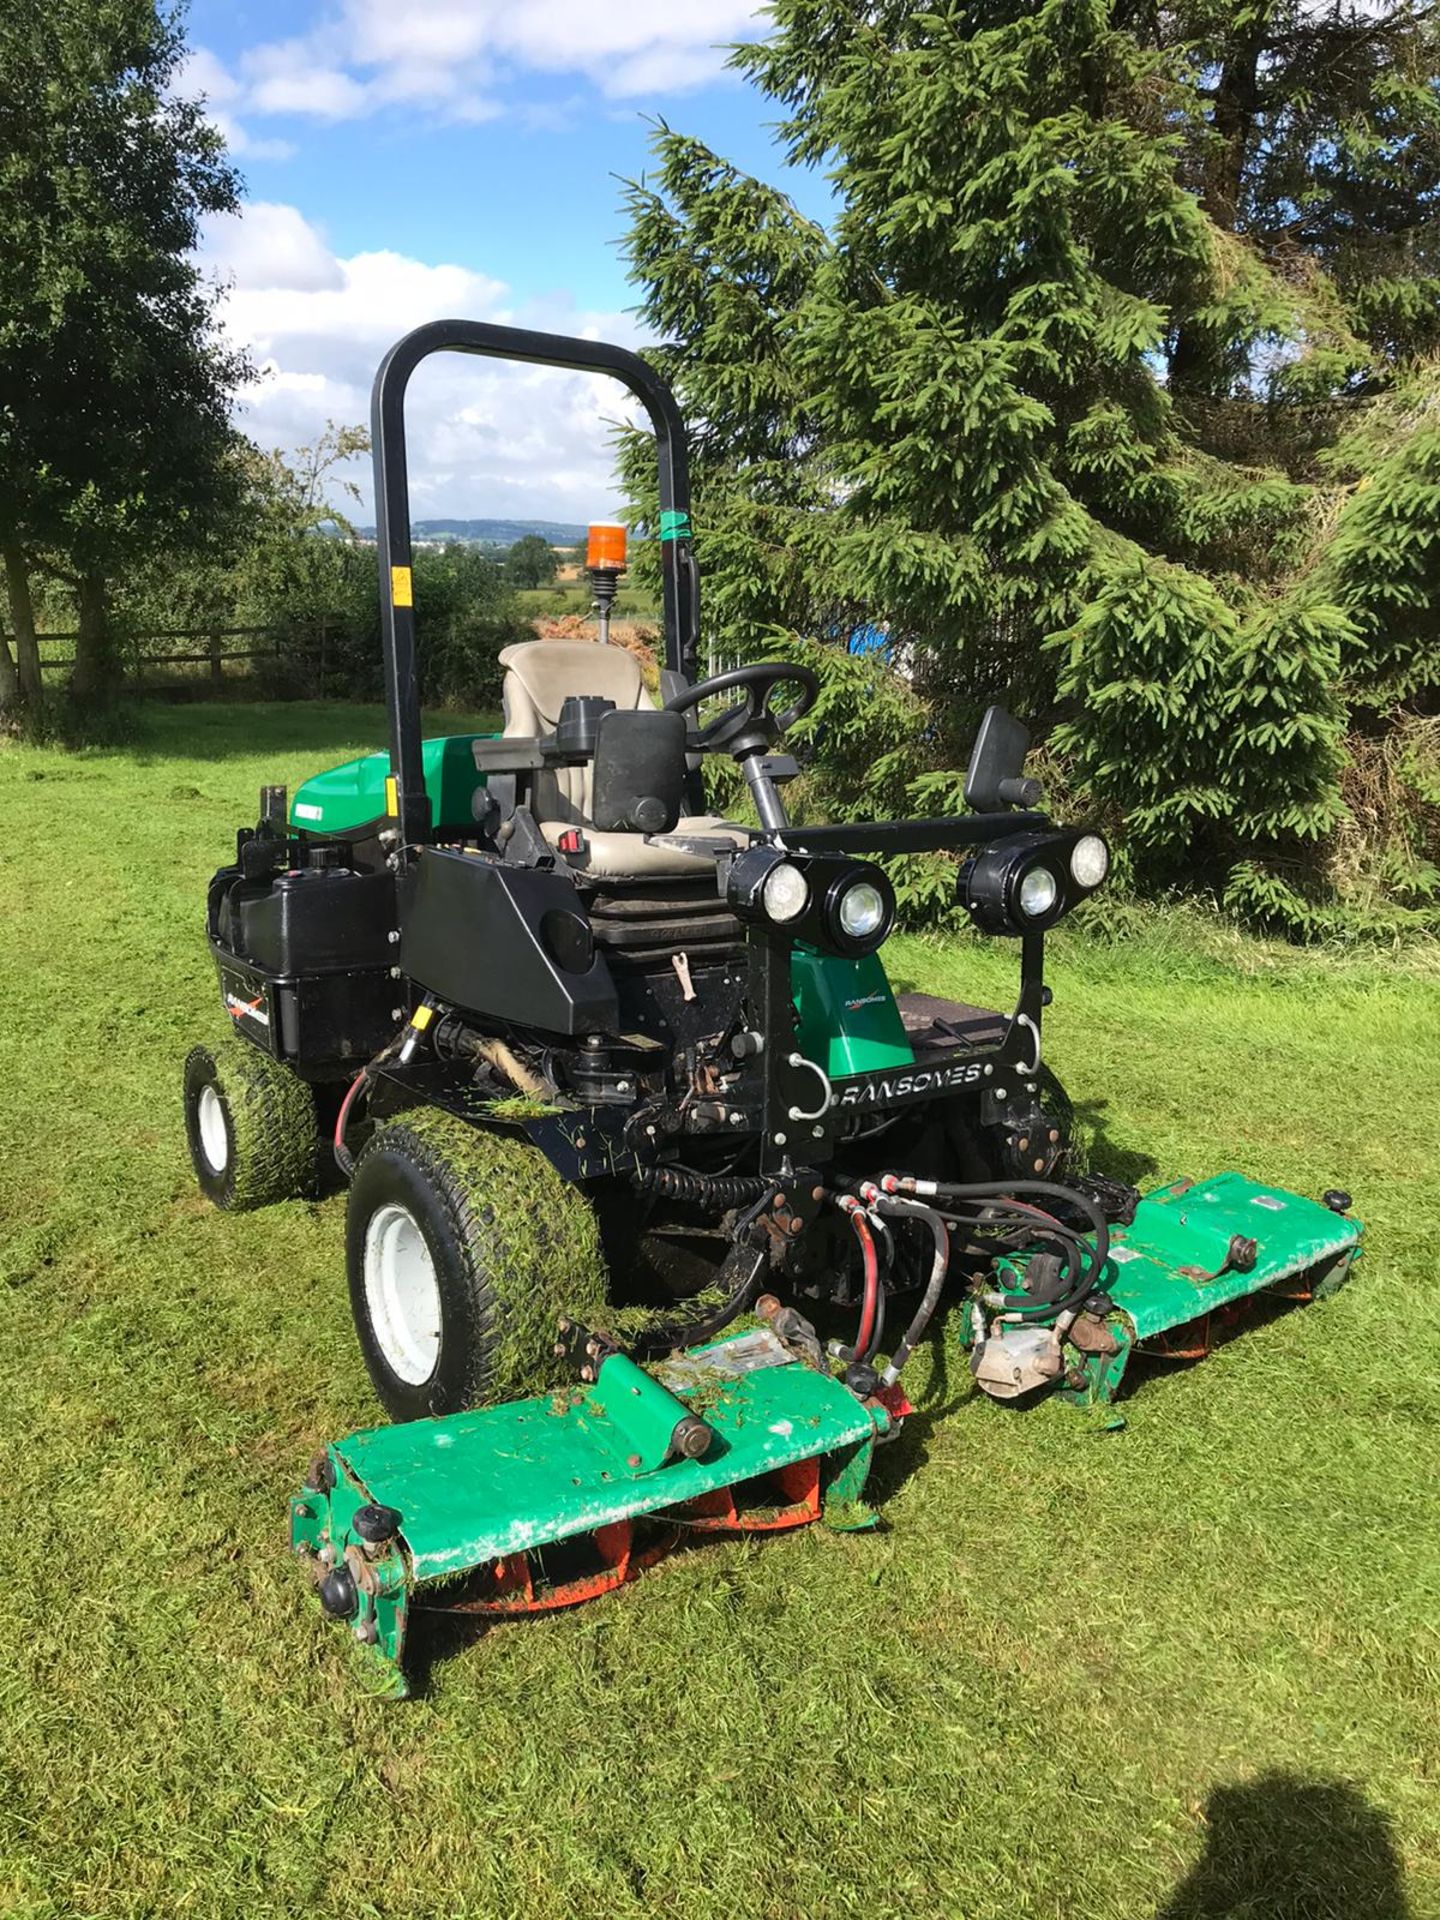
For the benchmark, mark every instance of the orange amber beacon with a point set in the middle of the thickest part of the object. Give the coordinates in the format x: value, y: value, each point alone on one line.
x: 606, y: 548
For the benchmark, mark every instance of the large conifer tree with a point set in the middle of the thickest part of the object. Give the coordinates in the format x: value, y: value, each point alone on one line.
x: 1051, y: 398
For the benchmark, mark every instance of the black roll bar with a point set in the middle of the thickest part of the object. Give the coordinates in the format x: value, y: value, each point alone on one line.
x: 392, y: 516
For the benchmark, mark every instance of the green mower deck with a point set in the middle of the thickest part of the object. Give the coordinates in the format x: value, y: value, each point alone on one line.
x: 1194, y: 1252
x: 549, y: 1501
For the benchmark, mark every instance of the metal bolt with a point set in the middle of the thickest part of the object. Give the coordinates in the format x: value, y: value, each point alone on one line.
x: 622, y: 1086
x: 393, y: 936
x: 395, y: 973
x: 988, y: 1071
x: 397, y: 1013
x: 819, y: 1132
x: 1029, y: 1086
x: 779, y: 1139
x: 1001, y: 1093
x: 737, y: 1119
x: 366, y: 1632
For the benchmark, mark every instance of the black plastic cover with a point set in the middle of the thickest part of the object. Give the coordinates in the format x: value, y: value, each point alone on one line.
x: 639, y: 776
x: 319, y: 919
x: 471, y: 933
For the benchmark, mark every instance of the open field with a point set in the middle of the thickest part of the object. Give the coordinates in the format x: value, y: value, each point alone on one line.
x: 1186, y: 1669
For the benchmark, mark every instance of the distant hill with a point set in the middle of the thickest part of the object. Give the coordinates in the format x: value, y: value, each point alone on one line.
x: 491, y: 533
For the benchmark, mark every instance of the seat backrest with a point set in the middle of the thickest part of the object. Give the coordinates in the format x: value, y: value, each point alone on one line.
x: 540, y: 675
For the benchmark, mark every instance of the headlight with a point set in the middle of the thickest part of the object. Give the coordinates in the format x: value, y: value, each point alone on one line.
x: 1028, y: 881
x: 862, y: 910
x: 858, y: 912
x: 842, y: 906
x: 1038, y: 892
x: 1089, y: 861
x: 785, y: 894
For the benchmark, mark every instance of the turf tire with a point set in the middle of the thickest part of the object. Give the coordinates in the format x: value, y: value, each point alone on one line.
x: 511, y: 1246
x: 250, y: 1125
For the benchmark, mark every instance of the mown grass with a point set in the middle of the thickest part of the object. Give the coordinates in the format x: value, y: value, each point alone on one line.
x: 1188, y: 1668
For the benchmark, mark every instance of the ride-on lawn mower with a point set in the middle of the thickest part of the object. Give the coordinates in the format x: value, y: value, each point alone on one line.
x: 622, y: 1091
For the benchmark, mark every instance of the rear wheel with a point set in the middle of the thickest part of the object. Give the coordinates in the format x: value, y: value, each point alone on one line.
x: 250, y: 1125
x: 462, y: 1250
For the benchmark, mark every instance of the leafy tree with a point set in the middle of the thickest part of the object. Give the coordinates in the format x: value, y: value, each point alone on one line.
x: 115, y: 438
x: 1031, y: 406
x: 530, y: 562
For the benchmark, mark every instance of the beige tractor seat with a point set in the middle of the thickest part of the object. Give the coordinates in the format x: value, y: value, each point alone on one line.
x: 540, y: 676
x: 630, y: 856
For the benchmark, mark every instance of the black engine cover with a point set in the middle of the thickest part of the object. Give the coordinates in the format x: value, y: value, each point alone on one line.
x: 506, y: 943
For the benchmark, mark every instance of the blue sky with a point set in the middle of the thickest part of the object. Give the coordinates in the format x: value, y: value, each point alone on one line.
x: 407, y: 162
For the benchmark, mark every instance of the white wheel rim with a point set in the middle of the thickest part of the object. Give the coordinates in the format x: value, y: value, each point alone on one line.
x: 402, y: 1293
x: 213, y: 1130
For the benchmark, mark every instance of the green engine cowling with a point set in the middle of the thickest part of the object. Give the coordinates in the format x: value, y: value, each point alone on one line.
x: 350, y: 798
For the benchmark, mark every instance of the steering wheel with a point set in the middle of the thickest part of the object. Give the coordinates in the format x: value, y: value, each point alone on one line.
x: 749, y: 726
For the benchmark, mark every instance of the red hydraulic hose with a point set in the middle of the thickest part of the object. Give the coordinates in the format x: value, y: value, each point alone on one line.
x: 869, y: 1305
x: 342, y: 1152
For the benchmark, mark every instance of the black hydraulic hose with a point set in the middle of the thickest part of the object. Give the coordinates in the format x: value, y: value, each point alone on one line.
x: 753, y: 1264
x: 1079, y: 1276
x: 705, y: 1189
x: 879, y: 1334
x: 996, y: 1193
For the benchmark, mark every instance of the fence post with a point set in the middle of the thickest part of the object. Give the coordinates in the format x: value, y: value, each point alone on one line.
x: 217, y: 669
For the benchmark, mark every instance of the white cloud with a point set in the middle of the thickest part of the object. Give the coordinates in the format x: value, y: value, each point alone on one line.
x: 521, y: 442
x: 458, y: 57
x: 272, y: 246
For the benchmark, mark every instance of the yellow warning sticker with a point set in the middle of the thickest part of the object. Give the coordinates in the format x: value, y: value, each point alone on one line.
x: 392, y: 796
x: 402, y: 592
x: 421, y: 1018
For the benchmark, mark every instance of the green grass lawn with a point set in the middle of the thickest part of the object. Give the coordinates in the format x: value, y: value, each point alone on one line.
x: 1185, y: 1669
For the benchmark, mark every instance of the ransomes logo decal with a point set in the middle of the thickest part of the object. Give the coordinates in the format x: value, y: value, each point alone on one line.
x: 885, y: 1089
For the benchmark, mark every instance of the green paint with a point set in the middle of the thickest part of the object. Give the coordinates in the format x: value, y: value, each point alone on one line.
x: 353, y: 795
x: 674, y: 526
x: 512, y: 1479
x: 1179, y: 1228
x: 849, y: 1022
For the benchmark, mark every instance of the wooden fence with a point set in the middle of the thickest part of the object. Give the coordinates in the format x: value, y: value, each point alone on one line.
x: 303, y: 650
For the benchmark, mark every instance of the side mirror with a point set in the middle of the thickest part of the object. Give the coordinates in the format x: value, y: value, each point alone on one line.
x: 995, y: 778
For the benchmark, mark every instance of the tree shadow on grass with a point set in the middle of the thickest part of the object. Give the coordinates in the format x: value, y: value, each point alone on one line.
x: 1116, y: 1163
x: 331, y: 730
x: 1287, y: 1848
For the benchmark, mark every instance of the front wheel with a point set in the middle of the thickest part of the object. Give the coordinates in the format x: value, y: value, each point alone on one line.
x: 250, y: 1126
x: 462, y: 1249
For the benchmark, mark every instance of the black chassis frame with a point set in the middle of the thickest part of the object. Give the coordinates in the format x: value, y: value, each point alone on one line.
x: 775, y: 1097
